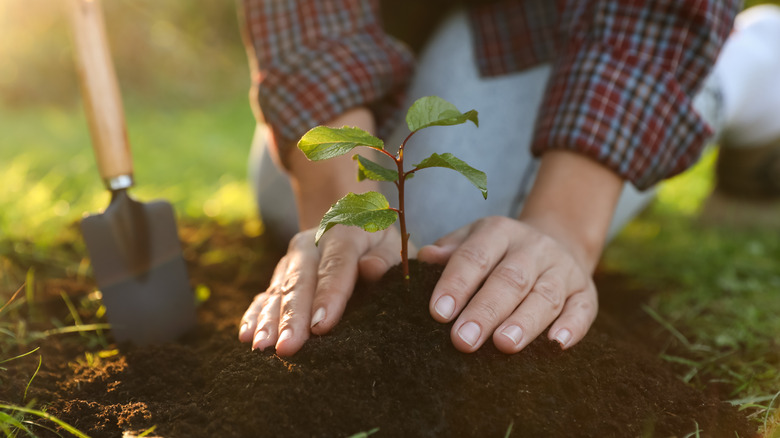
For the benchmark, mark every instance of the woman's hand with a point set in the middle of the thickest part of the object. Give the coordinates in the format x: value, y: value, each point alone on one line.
x: 311, y: 285
x: 507, y: 280
x: 510, y: 279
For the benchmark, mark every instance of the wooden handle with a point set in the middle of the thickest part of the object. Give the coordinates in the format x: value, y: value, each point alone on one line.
x: 102, y: 101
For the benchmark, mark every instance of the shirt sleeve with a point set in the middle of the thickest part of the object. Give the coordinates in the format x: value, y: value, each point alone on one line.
x: 622, y: 84
x: 316, y: 59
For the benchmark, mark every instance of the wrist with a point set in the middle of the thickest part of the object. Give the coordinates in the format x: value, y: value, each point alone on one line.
x: 573, y: 200
x: 319, y: 184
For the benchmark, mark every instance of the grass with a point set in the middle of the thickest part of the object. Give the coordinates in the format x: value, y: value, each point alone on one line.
x: 20, y: 418
x: 717, y: 292
x: 193, y: 157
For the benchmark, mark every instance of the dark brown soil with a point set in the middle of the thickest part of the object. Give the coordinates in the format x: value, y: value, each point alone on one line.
x: 387, y: 365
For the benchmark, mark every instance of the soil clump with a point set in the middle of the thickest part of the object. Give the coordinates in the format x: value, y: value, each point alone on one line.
x: 386, y: 365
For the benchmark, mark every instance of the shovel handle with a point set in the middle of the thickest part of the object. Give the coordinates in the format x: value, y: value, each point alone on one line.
x: 100, y: 92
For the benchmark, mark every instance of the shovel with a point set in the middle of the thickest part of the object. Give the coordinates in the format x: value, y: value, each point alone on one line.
x: 134, y: 247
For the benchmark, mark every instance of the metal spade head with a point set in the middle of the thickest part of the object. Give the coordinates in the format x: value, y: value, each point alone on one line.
x: 139, y: 268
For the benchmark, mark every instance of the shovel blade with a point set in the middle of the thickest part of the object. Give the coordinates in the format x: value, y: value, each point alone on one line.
x: 138, y: 266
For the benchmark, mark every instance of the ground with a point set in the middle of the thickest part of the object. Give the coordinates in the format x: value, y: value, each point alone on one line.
x: 387, y: 366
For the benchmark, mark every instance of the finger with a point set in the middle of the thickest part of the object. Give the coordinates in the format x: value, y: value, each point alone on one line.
x: 468, y: 266
x: 252, y: 316
x: 297, y: 293
x: 540, y: 308
x: 267, y: 330
x: 337, y: 274
x: 440, y: 251
x: 384, y: 254
x: 578, y: 315
x: 249, y: 320
x: 506, y: 287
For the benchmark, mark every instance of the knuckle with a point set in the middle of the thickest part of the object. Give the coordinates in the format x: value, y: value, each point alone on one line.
x: 456, y: 284
x: 287, y: 319
x: 488, y: 311
x: 290, y: 283
x: 586, y: 307
x: 473, y: 256
x: 493, y: 221
x: 272, y: 290
x: 547, y: 242
x: 258, y: 301
x: 330, y: 264
x: 514, y: 276
x: 298, y: 241
x: 526, y: 320
x: 550, y: 292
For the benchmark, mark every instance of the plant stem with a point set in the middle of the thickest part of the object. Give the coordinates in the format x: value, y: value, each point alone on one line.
x: 399, y: 161
x: 402, y: 217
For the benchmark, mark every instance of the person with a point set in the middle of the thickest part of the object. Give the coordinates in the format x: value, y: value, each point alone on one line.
x: 584, y: 107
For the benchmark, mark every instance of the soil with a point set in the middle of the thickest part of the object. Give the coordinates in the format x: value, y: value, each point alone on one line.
x: 387, y: 365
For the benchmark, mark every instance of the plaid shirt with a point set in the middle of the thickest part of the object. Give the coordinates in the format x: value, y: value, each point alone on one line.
x: 620, y: 91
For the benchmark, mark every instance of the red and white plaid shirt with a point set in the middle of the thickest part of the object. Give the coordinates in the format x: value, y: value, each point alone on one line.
x: 620, y: 91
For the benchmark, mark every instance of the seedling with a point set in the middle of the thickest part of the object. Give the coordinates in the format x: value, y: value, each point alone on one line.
x: 371, y: 210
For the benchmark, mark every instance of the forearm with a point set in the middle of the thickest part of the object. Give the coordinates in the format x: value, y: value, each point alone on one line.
x: 573, y: 200
x: 318, y: 185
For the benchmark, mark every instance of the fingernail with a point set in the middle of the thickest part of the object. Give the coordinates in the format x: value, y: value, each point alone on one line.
x: 445, y: 306
x: 514, y: 333
x: 243, y: 329
x: 563, y: 337
x: 284, y: 336
x: 318, y: 316
x: 260, y: 336
x: 469, y: 332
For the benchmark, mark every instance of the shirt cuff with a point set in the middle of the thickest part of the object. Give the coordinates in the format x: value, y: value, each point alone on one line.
x: 623, y: 109
x: 323, y: 81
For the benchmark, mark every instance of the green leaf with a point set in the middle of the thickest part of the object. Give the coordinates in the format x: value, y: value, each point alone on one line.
x: 369, y: 211
x: 368, y: 169
x: 449, y: 161
x: 323, y: 142
x: 435, y: 111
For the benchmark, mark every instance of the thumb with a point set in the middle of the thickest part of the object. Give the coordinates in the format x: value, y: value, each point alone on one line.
x: 440, y: 251
x: 436, y: 254
x: 383, y: 255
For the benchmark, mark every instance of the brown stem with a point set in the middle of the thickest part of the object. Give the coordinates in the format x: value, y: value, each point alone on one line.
x: 399, y: 161
x: 402, y: 217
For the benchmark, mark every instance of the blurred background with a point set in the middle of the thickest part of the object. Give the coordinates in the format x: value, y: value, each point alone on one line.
x: 183, y: 74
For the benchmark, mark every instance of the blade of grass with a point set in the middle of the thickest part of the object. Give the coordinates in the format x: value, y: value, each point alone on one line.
x: 6, y: 419
x: 660, y: 320
x: 43, y: 426
x: 696, y: 433
x: 76, y: 329
x: 46, y: 416
x: 365, y: 433
x: 21, y: 355
x: 769, y: 409
x: 40, y: 361
x: 509, y: 429
x: 12, y: 297
x: 752, y: 400
x: 147, y: 431
x: 72, y: 309
x: 29, y: 292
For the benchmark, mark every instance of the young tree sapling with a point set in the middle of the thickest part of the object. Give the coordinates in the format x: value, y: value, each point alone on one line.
x: 371, y: 210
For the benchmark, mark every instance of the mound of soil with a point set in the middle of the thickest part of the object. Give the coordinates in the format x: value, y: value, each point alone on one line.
x: 388, y: 366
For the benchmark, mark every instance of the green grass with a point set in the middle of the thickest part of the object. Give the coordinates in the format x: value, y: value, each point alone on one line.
x: 717, y: 290
x: 194, y: 157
